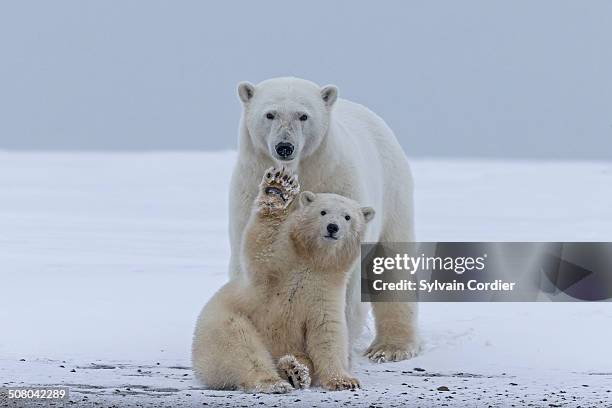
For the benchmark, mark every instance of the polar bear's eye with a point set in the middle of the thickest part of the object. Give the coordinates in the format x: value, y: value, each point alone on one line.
x: 323, y: 213
x: 269, y: 115
x: 303, y: 117
x: 347, y: 217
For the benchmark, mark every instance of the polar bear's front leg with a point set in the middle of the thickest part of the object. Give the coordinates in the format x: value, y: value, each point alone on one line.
x: 396, y: 338
x: 265, y: 231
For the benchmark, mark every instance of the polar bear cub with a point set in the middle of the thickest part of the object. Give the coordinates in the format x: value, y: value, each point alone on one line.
x: 282, y: 325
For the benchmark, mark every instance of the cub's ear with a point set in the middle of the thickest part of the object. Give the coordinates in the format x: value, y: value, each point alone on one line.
x: 368, y: 213
x: 246, y: 90
x: 329, y: 93
x: 307, y: 197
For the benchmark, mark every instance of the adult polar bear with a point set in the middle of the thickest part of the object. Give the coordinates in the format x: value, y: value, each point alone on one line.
x: 335, y: 146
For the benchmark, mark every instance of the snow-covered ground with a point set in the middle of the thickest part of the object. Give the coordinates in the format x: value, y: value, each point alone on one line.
x: 106, y: 260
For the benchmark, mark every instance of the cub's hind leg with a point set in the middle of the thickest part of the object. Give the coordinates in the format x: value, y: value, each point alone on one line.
x: 228, y: 353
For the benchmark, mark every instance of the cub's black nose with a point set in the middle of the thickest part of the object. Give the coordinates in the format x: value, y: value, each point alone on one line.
x: 332, y: 228
x: 284, y: 149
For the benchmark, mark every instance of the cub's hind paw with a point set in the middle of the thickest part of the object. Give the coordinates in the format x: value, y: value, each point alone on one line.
x: 293, y: 371
x: 278, y: 188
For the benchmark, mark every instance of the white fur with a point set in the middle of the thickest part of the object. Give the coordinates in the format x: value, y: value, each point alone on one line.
x: 342, y: 148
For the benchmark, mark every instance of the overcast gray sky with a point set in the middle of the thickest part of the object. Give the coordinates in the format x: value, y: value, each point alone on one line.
x: 452, y: 78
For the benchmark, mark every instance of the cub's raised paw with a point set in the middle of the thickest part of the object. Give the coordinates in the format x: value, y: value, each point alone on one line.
x: 293, y: 371
x: 341, y: 382
x: 278, y: 188
x: 271, y: 386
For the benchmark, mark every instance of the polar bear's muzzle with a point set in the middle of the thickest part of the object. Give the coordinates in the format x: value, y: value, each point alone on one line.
x: 284, y: 150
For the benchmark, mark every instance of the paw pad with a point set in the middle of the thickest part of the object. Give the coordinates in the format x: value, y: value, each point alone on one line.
x: 279, y: 187
x: 296, y: 373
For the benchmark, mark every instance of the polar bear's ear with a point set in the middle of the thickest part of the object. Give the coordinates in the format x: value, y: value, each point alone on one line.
x: 329, y: 93
x: 246, y: 90
x: 368, y: 213
x: 306, y: 198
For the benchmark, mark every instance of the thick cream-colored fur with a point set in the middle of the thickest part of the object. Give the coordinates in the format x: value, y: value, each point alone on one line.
x: 284, y: 319
x: 341, y: 148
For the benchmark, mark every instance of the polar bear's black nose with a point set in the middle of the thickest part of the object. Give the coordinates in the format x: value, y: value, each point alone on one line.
x: 284, y: 149
x: 332, y: 228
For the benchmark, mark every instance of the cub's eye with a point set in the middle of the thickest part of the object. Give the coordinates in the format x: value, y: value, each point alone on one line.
x: 347, y: 217
x: 269, y: 115
x: 323, y: 212
x: 303, y: 117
